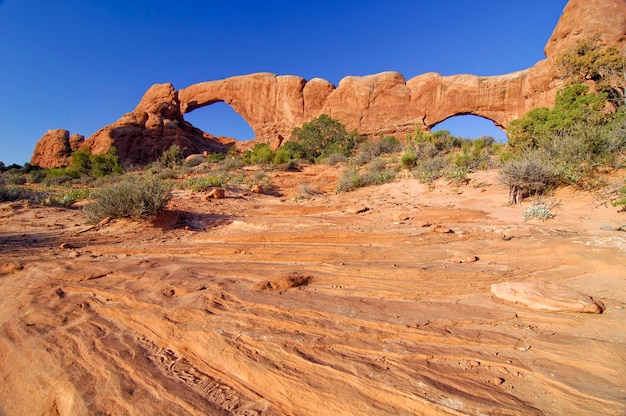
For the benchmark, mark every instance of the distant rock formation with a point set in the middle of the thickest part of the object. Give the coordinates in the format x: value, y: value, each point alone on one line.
x: 142, y: 135
x: 378, y: 104
x: 55, y: 148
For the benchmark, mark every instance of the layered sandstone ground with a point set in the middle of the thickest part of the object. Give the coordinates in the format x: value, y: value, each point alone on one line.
x: 195, y: 313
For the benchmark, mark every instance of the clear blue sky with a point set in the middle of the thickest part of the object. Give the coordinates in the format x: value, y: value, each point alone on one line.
x: 80, y: 65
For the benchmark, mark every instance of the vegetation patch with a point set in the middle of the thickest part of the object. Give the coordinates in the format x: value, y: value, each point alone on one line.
x: 132, y: 198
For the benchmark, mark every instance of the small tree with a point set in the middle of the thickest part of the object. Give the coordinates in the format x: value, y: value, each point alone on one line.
x: 591, y: 61
x: 321, y: 137
x: 172, y: 157
x: 96, y: 165
x: 529, y: 173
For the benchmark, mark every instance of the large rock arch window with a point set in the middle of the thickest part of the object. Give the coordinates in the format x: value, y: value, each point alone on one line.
x: 219, y: 119
x: 472, y: 127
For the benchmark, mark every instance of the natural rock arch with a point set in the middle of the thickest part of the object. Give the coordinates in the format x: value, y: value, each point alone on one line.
x: 375, y: 104
x: 205, y: 115
x: 430, y: 127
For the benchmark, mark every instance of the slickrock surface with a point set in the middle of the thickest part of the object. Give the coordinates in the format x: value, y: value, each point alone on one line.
x: 258, y: 305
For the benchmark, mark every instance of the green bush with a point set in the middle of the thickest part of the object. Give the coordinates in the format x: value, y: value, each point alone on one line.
x: 348, y: 181
x: 408, y: 159
x: 14, y: 178
x: 167, y: 173
x: 231, y: 163
x: 430, y: 169
x: 36, y: 176
x: 215, y: 157
x: 12, y: 193
x: 577, y: 135
x: 173, y: 157
x: 590, y: 60
x: 377, y: 173
x: 334, y: 158
x: 281, y: 156
x: 133, y: 198
x: 261, y: 154
x: 96, y: 166
x: 388, y: 145
x: 205, y: 183
x: 321, y: 137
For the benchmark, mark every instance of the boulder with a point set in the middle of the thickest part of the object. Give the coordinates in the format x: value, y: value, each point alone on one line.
x: 53, y: 149
x: 546, y: 297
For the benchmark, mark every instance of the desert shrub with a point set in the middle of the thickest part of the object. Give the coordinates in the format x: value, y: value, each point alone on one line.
x: 261, y: 154
x: 430, y: 169
x: 133, y: 198
x: 408, y: 159
x: 473, y: 154
x: 205, y: 183
x: 173, y: 157
x: 167, y: 173
x: 621, y: 199
x: 334, y: 158
x: 215, y: 157
x: 281, y: 156
x: 387, y: 145
x: 231, y: 163
x: 363, y: 157
x: 36, y: 176
x: 456, y: 174
x: 97, y: 166
x: 577, y: 135
x: 538, y: 211
x: 321, y: 137
x: 59, y: 176
x: 530, y: 173
x: 306, y: 191
x: 14, y: 178
x: 348, y: 181
x: 12, y: 193
x: 377, y: 173
x: 590, y: 60
x: 371, y: 149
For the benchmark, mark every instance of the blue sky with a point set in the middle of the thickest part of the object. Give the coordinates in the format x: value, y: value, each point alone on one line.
x: 80, y: 65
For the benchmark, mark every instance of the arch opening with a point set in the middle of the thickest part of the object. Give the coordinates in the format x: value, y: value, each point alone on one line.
x: 471, y: 126
x: 220, y: 119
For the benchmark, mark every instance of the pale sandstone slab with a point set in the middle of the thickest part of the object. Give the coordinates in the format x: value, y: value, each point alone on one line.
x: 546, y: 297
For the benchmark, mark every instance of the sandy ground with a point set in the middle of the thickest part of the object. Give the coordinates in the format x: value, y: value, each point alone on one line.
x: 193, y: 313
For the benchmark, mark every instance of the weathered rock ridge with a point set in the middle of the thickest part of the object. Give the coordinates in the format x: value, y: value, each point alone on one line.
x: 377, y: 104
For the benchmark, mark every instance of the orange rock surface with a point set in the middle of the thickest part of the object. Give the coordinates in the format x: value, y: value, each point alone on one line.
x: 259, y: 305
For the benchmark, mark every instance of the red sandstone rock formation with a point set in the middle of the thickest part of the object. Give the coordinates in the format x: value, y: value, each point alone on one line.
x: 55, y: 148
x: 153, y: 126
x: 376, y: 104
